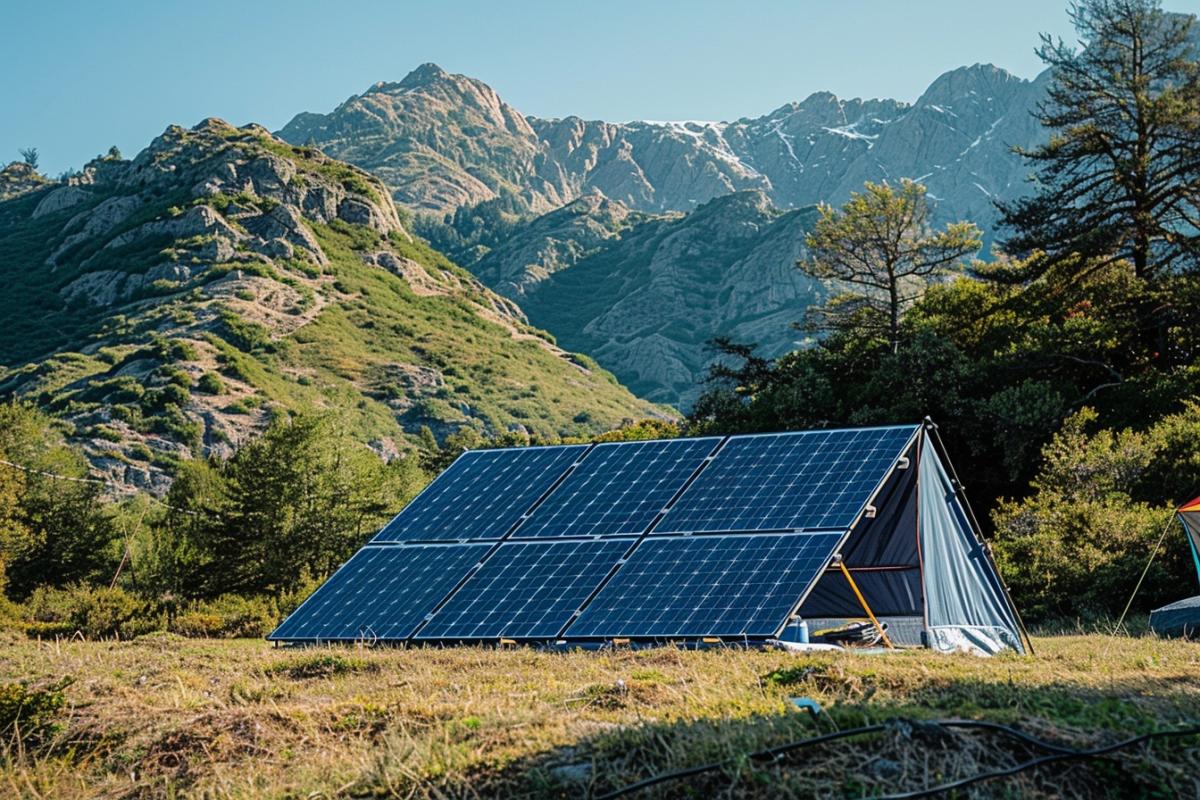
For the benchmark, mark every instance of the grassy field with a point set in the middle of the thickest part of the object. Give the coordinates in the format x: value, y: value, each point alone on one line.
x: 168, y: 717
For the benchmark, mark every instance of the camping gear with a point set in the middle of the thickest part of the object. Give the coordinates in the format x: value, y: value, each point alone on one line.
x: 1182, y: 618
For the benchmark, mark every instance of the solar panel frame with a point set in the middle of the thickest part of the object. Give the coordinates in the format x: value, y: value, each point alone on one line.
x: 648, y: 599
x: 525, y: 590
x: 487, y: 521
x: 425, y: 574
x: 699, y: 509
x: 651, y: 472
x: 456, y: 589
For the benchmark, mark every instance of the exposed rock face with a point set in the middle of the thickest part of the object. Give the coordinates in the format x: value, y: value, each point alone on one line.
x: 18, y: 178
x: 646, y: 298
x: 439, y: 141
x: 553, y: 242
x: 442, y: 141
x: 177, y: 300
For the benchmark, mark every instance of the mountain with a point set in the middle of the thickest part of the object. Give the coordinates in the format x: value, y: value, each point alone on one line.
x: 443, y: 142
x: 167, y: 307
x: 644, y: 294
x: 439, y: 141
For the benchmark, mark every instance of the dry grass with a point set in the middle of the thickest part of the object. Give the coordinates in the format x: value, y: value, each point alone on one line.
x: 164, y: 717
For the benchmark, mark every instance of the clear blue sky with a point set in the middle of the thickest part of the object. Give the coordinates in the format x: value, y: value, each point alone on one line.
x: 80, y: 76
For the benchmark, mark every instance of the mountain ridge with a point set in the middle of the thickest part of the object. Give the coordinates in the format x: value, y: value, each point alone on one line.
x: 818, y: 149
x: 170, y: 306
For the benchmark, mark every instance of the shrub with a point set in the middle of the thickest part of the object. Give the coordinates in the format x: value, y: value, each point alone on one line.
x: 93, y: 612
x: 31, y: 716
x: 228, y: 617
x: 1077, y: 545
x: 321, y: 665
x: 244, y: 334
x: 210, y: 383
x: 138, y: 451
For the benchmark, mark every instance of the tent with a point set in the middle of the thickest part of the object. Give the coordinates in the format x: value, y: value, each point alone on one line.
x: 1182, y: 618
x: 699, y: 541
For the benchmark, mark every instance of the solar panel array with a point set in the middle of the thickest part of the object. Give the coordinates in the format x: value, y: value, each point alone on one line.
x: 810, y: 480
x: 693, y: 586
x: 661, y: 539
x: 619, y: 488
x: 481, y: 495
x: 526, y: 590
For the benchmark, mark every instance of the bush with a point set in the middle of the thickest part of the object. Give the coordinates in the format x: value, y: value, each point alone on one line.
x: 210, y: 383
x: 93, y: 612
x: 29, y: 716
x: 1101, y: 500
x: 243, y: 334
x: 228, y: 617
x: 321, y: 665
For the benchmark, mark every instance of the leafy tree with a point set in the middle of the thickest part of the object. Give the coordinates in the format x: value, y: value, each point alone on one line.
x: 1078, y: 544
x: 998, y: 365
x: 56, y: 531
x: 297, y: 501
x: 882, y: 246
x: 30, y: 156
x: 1120, y: 175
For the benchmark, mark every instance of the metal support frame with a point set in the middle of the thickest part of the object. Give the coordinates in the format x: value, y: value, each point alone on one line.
x: 863, y: 601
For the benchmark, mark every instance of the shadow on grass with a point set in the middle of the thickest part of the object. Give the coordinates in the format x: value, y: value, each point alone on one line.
x: 909, y: 754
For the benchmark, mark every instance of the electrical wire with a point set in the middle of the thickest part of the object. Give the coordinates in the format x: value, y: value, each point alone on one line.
x: 1095, y: 752
x: 1058, y: 753
x: 94, y: 481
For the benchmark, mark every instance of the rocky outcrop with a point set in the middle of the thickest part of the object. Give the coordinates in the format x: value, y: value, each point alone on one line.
x: 646, y: 299
x: 439, y: 141
x: 19, y: 178
x: 554, y: 242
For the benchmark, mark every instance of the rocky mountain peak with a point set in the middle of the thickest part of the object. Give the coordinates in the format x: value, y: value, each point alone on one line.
x: 424, y: 74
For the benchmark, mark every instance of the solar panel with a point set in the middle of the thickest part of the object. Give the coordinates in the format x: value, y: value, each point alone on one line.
x: 693, y: 586
x: 810, y: 480
x: 618, y: 488
x: 381, y: 593
x: 481, y: 495
x: 526, y: 590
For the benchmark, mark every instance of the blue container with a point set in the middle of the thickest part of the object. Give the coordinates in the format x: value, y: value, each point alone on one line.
x: 796, y: 631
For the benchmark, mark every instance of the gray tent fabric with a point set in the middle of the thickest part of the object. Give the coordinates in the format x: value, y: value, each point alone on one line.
x: 1181, y: 618
x: 966, y: 606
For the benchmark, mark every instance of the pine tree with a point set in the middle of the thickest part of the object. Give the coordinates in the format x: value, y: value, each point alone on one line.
x: 1120, y: 175
x: 882, y: 246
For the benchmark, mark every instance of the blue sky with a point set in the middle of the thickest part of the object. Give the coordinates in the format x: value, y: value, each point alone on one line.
x: 81, y: 76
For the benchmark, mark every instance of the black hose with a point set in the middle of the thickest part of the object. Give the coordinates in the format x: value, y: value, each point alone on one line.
x: 1037, y: 762
x: 1058, y: 753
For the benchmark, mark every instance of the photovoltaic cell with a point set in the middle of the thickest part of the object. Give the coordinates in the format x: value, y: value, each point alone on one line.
x: 481, y: 495
x: 381, y: 593
x: 694, y: 586
x: 618, y: 488
x: 526, y: 590
x: 810, y: 480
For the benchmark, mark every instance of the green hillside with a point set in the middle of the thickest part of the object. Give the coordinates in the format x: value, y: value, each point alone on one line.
x: 168, y: 306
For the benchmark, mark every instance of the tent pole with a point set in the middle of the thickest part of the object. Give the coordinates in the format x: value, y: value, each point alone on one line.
x: 863, y: 602
x: 987, y: 548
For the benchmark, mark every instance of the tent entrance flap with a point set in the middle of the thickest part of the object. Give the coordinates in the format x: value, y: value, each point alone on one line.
x: 966, y: 603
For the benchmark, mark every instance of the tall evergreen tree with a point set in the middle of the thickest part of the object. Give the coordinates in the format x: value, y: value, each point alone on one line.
x: 882, y: 246
x: 1120, y: 174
